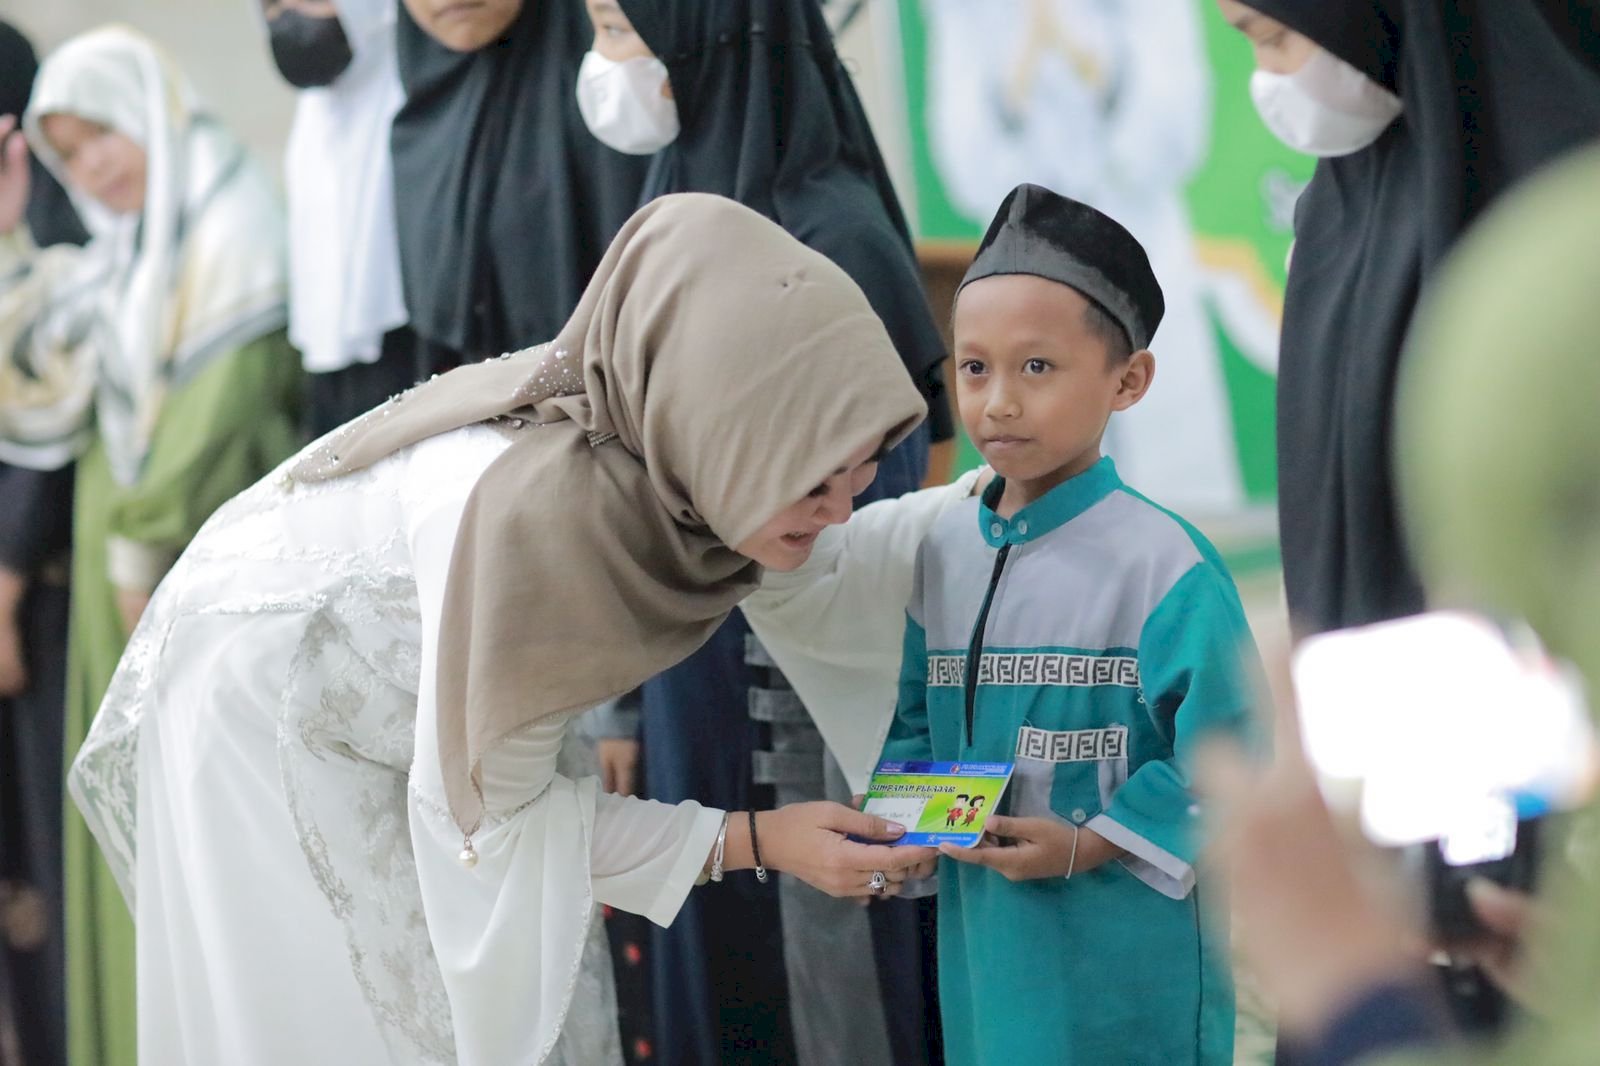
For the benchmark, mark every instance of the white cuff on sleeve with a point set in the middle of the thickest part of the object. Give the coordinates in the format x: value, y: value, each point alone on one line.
x: 685, y: 871
x: 1156, y: 867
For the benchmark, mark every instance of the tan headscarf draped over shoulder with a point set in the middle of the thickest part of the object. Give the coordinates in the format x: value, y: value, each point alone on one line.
x: 715, y: 371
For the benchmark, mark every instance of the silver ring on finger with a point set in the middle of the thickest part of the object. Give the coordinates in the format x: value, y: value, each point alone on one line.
x: 878, y: 884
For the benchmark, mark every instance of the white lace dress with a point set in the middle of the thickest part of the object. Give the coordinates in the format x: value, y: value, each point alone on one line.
x: 263, y: 779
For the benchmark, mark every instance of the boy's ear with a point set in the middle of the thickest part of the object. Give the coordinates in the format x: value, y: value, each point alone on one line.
x: 1137, y: 374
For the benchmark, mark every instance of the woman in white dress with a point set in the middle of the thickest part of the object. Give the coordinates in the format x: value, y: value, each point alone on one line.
x: 325, y: 773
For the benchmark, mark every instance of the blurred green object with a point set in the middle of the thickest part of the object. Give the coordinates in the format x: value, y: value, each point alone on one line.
x: 1499, y: 459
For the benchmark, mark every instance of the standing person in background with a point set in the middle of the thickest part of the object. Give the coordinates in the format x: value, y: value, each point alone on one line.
x: 347, y: 311
x: 35, y: 539
x: 1497, y: 480
x: 1421, y: 115
x: 504, y: 202
x: 157, y: 355
x: 750, y: 101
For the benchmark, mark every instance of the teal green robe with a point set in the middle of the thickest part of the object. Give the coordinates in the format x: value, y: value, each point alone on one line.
x: 1111, y: 639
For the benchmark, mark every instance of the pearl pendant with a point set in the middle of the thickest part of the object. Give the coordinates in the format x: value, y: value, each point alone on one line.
x: 468, y: 856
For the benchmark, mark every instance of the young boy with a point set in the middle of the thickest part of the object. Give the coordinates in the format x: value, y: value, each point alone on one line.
x: 1066, y: 623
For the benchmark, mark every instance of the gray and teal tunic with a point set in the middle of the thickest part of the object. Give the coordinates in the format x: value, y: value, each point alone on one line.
x: 1105, y: 637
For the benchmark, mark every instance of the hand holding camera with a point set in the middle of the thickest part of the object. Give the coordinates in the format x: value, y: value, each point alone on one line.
x: 1413, y: 763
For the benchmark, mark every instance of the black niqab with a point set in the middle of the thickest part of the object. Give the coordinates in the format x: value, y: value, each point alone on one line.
x: 1493, y: 90
x: 770, y: 118
x: 505, y: 201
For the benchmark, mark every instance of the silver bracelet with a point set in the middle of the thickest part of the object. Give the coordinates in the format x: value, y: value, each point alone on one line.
x: 716, y: 854
x: 1073, y: 861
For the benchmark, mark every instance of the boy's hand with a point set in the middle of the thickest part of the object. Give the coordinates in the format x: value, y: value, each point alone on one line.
x: 1039, y: 847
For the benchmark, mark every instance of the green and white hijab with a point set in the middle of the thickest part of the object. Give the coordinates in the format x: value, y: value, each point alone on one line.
x: 198, y: 273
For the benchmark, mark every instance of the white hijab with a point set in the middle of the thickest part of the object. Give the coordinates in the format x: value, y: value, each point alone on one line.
x: 197, y: 273
x: 344, y: 262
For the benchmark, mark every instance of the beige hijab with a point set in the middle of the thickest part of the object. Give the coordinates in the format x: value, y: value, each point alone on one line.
x: 715, y: 371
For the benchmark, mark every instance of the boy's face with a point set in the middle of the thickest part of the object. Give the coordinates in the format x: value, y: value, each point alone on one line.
x: 1033, y: 380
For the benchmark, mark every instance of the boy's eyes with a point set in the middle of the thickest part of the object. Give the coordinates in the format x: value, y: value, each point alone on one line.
x: 975, y: 367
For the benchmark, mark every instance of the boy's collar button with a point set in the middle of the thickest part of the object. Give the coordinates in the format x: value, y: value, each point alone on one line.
x: 1022, y: 527
x: 997, y: 530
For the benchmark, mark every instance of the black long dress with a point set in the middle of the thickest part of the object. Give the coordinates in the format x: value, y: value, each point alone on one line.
x: 770, y: 118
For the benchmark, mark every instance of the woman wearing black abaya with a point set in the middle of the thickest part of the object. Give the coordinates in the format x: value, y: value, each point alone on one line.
x: 1424, y: 111
x: 35, y: 537
x: 504, y: 202
x: 1488, y: 91
x: 749, y: 100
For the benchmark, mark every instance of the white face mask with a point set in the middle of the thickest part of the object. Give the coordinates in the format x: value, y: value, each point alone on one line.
x: 1325, y: 108
x: 623, y: 106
